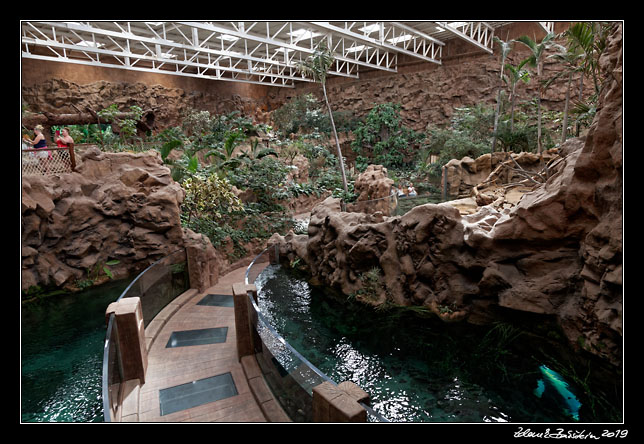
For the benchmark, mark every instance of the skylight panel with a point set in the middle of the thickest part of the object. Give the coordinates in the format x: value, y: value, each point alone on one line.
x: 90, y: 44
x: 356, y: 48
x: 402, y: 38
x: 302, y: 33
x: 370, y: 28
x: 228, y: 38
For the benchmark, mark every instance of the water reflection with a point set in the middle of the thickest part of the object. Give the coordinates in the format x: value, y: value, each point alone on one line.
x: 413, y: 369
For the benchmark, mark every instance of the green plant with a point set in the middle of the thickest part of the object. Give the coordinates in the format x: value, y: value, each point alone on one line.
x: 256, y: 153
x: 383, y: 137
x: 371, y: 284
x: 300, y: 113
x: 536, y: 60
x: 317, y: 67
x: 127, y: 125
x: 208, y: 197
x: 469, y: 134
x: 94, y: 273
x: 265, y: 178
x: 515, y: 74
x: 225, y: 151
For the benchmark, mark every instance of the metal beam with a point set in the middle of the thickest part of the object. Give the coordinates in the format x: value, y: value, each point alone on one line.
x: 159, y: 54
x: 257, y: 52
x: 477, y: 33
x: 293, y: 51
x: 390, y: 38
x: 548, y: 26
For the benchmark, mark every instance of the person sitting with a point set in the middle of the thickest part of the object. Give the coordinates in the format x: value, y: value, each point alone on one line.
x: 411, y: 191
x: 401, y: 193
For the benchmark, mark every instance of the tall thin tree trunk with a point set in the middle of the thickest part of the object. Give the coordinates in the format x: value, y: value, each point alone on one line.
x: 581, y: 96
x: 512, y: 109
x: 564, y: 130
x: 539, y: 124
x: 337, y: 141
x: 496, y: 120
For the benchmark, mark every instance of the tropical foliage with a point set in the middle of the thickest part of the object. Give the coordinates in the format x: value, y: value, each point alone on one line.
x: 217, y: 158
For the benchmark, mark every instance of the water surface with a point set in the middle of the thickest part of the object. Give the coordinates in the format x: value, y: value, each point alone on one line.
x: 62, y: 340
x: 414, y: 366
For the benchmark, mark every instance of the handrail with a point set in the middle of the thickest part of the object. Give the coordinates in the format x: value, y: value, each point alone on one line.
x: 29, y: 169
x: 111, y: 358
x: 285, y: 343
x: 280, y: 338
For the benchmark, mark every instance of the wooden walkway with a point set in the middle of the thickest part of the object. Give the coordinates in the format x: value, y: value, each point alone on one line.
x: 173, y: 366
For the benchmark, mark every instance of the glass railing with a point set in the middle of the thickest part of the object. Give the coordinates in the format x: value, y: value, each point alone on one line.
x: 289, y: 375
x: 392, y: 205
x: 157, y: 286
x: 407, y: 203
x: 386, y: 205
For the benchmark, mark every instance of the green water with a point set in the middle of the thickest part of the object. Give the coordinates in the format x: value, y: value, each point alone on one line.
x: 62, y: 341
x: 418, y: 368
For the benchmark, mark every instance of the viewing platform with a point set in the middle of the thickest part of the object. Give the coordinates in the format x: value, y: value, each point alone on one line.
x: 197, y: 342
x: 210, y: 356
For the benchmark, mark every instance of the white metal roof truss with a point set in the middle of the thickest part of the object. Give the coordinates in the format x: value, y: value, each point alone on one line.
x: 253, y: 52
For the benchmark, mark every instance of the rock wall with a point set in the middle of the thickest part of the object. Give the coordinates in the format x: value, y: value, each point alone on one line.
x: 462, y: 175
x: 556, y: 254
x: 429, y: 93
x: 166, y: 104
x: 116, y: 206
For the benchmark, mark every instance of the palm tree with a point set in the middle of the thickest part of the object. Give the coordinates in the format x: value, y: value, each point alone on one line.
x: 570, y: 58
x: 536, y: 61
x: 317, y: 66
x: 505, y: 50
x: 515, y: 73
x: 588, y: 39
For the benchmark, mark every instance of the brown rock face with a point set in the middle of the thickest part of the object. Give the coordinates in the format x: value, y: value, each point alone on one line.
x: 373, y: 188
x: 117, y: 206
x: 557, y: 253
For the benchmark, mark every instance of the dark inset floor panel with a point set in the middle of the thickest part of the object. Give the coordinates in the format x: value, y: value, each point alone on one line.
x: 203, y: 336
x: 218, y: 300
x: 195, y: 393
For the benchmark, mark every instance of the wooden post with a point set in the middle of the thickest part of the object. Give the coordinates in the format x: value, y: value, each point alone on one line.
x: 243, y: 326
x: 72, y: 157
x: 128, y: 316
x: 338, y: 403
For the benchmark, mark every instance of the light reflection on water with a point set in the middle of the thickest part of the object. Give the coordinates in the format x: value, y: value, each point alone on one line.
x: 402, y: 387
x: 62, y: 342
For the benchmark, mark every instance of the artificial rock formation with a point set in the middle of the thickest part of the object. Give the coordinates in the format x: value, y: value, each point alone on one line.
x: 121, y: 207
x: 460, y: 176
x: 373, y: 188
x: 557, y: 253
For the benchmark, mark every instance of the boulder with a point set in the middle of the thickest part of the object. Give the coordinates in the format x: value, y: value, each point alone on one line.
x: 373, y: 188
x: 116, y: 206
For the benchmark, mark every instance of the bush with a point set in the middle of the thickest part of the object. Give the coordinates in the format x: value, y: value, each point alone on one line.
x: 209, y: 198
x: 383, y: 138
x: 305, y: 113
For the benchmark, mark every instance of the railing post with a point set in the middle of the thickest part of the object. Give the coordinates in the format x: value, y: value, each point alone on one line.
x: 339, y: 403
x: 72, y: 156
x: 128, y: 316
x: 444, y: 190
x: 243, y: 327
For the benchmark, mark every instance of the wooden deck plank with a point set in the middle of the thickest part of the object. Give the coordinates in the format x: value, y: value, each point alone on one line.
x: 169, y: 367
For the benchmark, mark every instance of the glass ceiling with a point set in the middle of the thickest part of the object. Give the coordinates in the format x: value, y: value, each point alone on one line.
x: 253, y: 52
